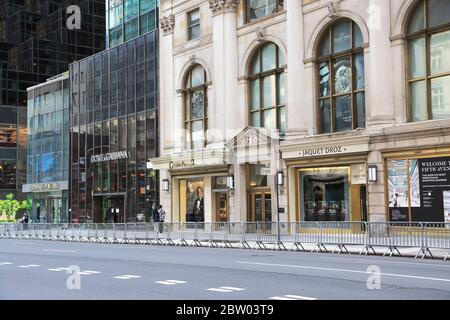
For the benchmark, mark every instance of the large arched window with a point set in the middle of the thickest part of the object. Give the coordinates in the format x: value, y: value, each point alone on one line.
x: 428, y: 35
x: 196, y: 115
x: 341, y: 78
x: 267, y: 88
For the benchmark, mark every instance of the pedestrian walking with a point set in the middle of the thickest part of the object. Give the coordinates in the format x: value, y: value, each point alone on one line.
x: 155, y: 215
x: 162, y: 217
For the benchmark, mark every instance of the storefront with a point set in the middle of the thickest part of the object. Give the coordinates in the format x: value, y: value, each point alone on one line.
x: 48, y: 150
x: 49, y: 201
x: 418, y: 185
x: 114, y: 133
x: 327, y: 182
x: 199, y: 186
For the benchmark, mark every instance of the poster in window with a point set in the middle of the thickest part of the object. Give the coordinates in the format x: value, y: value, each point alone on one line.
x: 398, y: 190
x: 434, y: 185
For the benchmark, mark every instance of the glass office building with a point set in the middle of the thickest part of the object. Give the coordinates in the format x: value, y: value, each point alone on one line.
x: 48, y: 150
x: 35, y: 44
x: 127, y: 19
x: 113, y: 130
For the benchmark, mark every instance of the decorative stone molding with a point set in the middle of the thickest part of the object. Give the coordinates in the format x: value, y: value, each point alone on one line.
x: 167, y: 23
x: 220, y: 6
x: 333, y: 9
x: 260, y: 34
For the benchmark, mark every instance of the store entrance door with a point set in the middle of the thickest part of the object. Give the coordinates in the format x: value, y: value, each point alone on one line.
x: 109, y: 209
x: 260, y: 207
x: 53, y: 210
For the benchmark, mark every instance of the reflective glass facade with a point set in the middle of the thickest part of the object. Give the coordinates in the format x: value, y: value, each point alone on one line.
x: 114, y: 112
x: 35, y: 44
x: 48, y: 150
x: 127, y: 19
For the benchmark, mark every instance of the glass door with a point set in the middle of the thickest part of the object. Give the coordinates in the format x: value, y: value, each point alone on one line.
x: 260, y: 207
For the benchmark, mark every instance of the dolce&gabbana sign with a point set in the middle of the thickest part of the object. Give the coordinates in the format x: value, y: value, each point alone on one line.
x: 109, y: 156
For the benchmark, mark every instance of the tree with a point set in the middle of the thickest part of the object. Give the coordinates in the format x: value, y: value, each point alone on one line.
x: 10, y: 206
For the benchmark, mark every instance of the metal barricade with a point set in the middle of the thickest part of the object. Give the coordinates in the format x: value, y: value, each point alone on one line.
x: 219, y: 234
x: 308, y: 232
x: 436, y: 236
x: 203, y: 233
x: 188, y: 232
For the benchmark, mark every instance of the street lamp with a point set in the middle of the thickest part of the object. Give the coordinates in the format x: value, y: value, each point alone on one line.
x: 373, y: 173
x: 279, y: 182
x: 165, y: 185
x: 230, y: 182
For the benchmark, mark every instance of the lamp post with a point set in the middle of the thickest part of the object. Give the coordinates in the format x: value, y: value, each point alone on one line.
x: 279, y: 182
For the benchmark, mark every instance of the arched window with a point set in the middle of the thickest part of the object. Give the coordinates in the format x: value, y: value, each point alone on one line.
x: 267, y: 88
x: 196, y: 115
x: 341, y: 78
x: 428, y: 35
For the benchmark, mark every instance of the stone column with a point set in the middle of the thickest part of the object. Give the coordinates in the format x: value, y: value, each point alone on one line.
x: 379, y: 83
x: 226, y: 63
x: 297, y: 121
x: 168, y: 93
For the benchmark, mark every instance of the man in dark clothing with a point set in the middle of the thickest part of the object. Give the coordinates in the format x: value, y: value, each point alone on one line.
x: 155, y: 215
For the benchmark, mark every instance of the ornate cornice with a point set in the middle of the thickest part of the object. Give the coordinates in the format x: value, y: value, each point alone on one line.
x: 167, y: 23
x: 219, y: 6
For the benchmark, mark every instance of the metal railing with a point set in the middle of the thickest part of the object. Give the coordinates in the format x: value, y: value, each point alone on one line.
x: 317, y: 236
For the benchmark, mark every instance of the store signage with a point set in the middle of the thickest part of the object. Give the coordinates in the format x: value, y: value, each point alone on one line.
x: 358, y: 173
x: 109, y: 156
x: 325, y: 151
x: 181, y: 164
x: 45, y: 187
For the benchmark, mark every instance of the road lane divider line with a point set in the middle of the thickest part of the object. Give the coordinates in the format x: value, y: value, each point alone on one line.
x: 30, y: 266
x: 225, y: 289
x: 127, y: 277
x: 341, y: 270
x: 280, y: 298
x: 5, y: 263
x: 59, y: 250
x: 299, y: 297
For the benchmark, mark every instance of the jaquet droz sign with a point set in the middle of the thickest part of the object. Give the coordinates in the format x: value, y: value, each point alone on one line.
x: 109, y: 156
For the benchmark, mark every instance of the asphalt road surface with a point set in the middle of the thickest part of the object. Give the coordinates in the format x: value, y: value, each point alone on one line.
x: 31, y: 269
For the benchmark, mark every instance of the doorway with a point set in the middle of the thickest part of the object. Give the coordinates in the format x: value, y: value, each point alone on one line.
x: 260, y: 207
x: 109, y: 209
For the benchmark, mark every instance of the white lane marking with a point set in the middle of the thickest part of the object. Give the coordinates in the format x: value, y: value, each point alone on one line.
x: 218, y: 290
x: 5, y: 263
x: 342, y: 270
x: 291, y: 297
x: 233, y: 288
x: 92, y: 272
x: 58, y: 269
x: 58, y: 250
x: 170, y: 282
x: 23, y: 242
x: 30, y: 266
x: 127, y: 277
x: 387, y: 261
x: 299, y: 297
x: 225, y: 289
x: 165, y: 283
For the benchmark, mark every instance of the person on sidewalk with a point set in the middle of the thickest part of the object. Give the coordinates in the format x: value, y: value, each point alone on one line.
x: 155, y: 215
x: 162, y: 217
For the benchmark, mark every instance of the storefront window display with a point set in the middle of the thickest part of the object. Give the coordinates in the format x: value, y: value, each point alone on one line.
x: 325, y: 194
x: 418, y: 189
x: 195, y: 203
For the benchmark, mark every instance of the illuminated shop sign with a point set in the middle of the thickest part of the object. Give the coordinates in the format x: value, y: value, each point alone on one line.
x: 109, y: 156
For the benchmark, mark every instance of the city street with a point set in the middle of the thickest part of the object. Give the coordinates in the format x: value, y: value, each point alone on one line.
x: 32, y: 269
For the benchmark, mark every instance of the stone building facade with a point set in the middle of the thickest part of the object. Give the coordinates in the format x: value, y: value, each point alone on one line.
x: 313, y: 110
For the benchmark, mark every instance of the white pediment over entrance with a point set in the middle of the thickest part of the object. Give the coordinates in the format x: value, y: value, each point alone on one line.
x: 253, y: 145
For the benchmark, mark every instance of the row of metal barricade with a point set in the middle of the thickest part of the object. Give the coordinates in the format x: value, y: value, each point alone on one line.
x: 302, y: 236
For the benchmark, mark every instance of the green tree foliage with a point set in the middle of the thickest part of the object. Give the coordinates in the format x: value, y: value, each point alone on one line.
x: 10, y: 206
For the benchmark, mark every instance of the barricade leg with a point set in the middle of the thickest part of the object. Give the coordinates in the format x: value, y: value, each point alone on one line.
x: 297, y: 245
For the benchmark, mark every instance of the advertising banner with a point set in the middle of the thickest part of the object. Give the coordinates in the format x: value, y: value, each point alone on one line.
x: 419, y: 185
